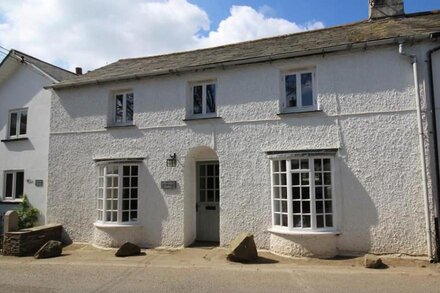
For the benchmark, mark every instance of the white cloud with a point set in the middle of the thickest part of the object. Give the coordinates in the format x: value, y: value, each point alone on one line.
x: 96, y: 32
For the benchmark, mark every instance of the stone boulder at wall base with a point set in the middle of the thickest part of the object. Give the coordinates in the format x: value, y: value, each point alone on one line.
x: 243, y: 248
x: 372, y: 262
x: 52, y: 248
x: 128, y: 249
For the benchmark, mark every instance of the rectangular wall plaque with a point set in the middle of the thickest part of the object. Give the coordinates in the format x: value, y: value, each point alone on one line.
x: 39, y: 183
x: 168, y: 184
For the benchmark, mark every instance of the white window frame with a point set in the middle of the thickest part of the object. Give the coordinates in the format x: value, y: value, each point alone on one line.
x: 313, y: 214
x: 299, y: 107
x: 204, y: 85
x: 18, y: 122
x: 105, y: 176
x: 124, y: 108
x: 14, y: 184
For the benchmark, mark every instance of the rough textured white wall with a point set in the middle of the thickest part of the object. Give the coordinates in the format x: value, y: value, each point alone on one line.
x: 24, y: 89
x: 368, y: 112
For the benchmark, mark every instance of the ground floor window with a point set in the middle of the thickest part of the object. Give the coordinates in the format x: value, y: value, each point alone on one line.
x: 13, y: 185
x: 118, y: 193
x: 302, y: 193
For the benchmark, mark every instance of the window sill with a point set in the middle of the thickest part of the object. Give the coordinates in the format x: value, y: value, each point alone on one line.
x: 305, y: 233
x: 299, y: 111
x: 110, y: 126
x: 116, y: 225
x: 14, y: 139
x: 11, y: 201
x: 201, y: 118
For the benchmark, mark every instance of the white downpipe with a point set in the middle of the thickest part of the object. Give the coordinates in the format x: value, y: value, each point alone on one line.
x: 422, y: 148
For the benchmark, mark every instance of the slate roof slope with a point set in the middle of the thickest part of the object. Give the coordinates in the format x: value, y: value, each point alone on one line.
x: 55, y: 72
x: 409, y: 25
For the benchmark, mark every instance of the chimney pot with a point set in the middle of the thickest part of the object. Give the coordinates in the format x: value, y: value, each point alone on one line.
x: 385, y: 8
x: 78, y: 70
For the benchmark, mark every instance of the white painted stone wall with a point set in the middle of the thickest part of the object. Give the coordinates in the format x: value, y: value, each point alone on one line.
x: 24, y: 89
x: 368, y: 112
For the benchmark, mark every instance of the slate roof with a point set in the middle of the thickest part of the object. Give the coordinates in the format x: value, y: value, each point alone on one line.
x: 55, y: 72
x: 408, y: 26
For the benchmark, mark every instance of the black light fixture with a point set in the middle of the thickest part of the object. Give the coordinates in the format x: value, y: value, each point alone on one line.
x: 172, y: 161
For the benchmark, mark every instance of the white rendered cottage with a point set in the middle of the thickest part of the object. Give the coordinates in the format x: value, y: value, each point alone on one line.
x: 310, y: 141
x: 24, y: 129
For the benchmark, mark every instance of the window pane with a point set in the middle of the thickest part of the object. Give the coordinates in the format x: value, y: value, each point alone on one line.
x: 13, y: 125
x: 277, y: 220
x: 304, y: 178
x: 320, y: 221
x: 318, y: 166
x: 318, y: 192
x: 305, y: 192
x: 8, y: 189
x: 210, y: 98
x: 133, y: 216
x: 19, y: 184
x: 327, y: 179
x: 23, y: 122
x: 328, y: 221
x: 283, y: 166
x: 327, y: 166
x: 284, y: 219
x: 306, y: 221
x: 134, y: 193
x: 134, y: 170
x: 197, y: 99
x: 295, y: 179
x: 328, y: 207
x: 306, y: 207
x: 119, y: 109
x: 291, y: 95
x: 296, y: 221
x: 306, y: 89
x: 276, y: 166
x: 284, y: 206
x: 126, y: 171
x: 210, y: 170
x: 319, y: 207
x: 328, y: 192
x: 129, y: 108
x: 284, y: 192
x: 296, y: 193
x: 276, y: 206
x: 305, y: 164
x: 283, y: 178
x: 296, y: 207
x: 295, y: 164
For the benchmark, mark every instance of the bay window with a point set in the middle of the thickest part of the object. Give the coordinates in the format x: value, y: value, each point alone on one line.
x: 302, y: 193
x: 118, y: 193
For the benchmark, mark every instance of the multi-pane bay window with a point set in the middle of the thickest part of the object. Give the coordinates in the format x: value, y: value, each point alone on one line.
x: 298, y: 91
x: 118, y: 193
x: 124, y: 103
x: 17, y: 123
x: 302, y: 193
x: 203, y: 99
x: 13, y: 185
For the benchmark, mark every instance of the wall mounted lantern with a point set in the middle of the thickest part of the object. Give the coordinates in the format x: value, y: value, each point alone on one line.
x: 172, y: 161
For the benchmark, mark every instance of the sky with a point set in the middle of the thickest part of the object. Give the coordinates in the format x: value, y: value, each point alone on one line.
x: 93, y: 33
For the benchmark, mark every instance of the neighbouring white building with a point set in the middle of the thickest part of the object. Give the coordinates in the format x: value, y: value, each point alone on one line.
x: 310, y: 141
x: 24, y: 129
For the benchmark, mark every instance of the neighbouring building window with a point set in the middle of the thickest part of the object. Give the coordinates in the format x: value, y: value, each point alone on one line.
x: 299, y: 91
x: 17, y: 123
x: 118, y: 193
x: 124, y: 103
x: 13, y: 185
x: 203, y: 99
x: 302, y: 194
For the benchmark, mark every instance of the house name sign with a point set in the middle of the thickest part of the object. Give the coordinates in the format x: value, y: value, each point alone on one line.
x: 168, y: 184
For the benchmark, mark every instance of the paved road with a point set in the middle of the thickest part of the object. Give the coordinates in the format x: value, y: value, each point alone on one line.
x: 144, y: 277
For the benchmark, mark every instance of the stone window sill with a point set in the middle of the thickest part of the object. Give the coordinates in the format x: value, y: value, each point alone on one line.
x: 115, y: 225
x: 201, y: 118
x: 14, y: 139
x: 297, y: 112
x: 304, y: 233
x: 110, y: 126
x: 11, y: 201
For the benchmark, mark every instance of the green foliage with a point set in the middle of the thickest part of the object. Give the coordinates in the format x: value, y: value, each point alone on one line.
x: 27, y: 215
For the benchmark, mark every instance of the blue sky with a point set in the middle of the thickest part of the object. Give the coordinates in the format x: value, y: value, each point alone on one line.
x: 331, y: 12
x: 93, y: 33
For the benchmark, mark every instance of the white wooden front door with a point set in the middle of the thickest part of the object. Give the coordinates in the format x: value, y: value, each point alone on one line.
x: 208, y: 197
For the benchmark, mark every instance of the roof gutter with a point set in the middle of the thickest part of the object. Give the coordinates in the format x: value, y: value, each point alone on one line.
x: 269, y: 58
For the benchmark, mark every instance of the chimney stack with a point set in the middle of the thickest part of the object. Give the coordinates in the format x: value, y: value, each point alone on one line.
x: 78, y: 70
x: 385, y: 8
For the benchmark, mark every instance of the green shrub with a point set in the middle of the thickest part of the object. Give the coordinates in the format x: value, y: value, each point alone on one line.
x: 27, y: 215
